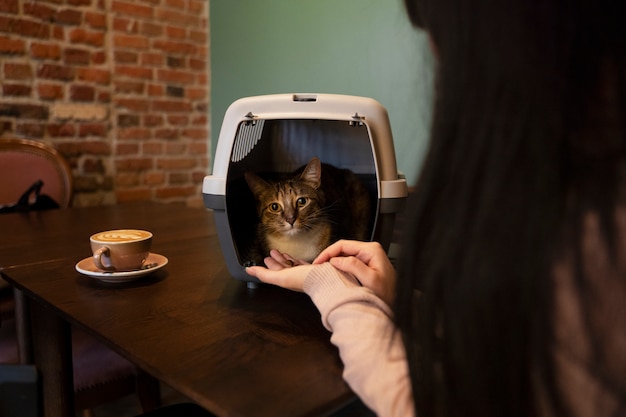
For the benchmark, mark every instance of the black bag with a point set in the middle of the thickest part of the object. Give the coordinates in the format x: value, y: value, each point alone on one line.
x: 31, y: 200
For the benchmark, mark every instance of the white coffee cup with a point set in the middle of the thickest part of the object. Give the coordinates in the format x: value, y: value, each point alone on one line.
x: 121, y: 249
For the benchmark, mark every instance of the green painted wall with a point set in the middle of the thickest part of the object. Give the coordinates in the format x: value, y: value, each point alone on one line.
x: 356, y: 47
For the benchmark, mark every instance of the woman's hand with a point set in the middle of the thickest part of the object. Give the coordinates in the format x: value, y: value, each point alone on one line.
x: 282, y: 270
x: 367, y: 261
x: 278, y: 261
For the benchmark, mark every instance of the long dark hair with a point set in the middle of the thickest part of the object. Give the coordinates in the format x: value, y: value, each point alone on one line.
x: 524, y: 141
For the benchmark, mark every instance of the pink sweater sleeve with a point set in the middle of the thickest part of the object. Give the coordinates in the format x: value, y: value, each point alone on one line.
x: 370, y: 347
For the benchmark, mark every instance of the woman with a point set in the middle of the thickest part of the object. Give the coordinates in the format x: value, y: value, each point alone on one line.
x: 511, y: 293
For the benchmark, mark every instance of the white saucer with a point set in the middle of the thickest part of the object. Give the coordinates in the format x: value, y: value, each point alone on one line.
x: 153, y: 263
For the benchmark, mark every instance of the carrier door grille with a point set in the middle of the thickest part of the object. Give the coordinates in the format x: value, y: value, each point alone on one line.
x: 248, y: 136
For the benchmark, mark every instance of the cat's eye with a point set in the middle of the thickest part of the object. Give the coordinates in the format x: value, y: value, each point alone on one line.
x: 301, y: 201
x: 274, y: 207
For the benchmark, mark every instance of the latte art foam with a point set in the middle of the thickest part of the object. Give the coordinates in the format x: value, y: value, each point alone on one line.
x: 121, y: 235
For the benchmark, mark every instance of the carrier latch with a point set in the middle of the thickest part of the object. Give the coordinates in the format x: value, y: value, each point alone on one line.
x: 251, y: 119
x: 357, y: 120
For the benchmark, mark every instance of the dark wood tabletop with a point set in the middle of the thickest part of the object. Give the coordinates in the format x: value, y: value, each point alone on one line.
x: 235, y: 351
x: 53, y: 234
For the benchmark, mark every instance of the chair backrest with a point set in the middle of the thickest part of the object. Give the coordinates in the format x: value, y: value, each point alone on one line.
x: 22, y: 162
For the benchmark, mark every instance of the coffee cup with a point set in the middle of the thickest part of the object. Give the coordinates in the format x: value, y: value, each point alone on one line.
x: 120, y: 250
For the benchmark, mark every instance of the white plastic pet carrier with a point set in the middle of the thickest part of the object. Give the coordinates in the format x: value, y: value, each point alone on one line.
x: 280, y: 133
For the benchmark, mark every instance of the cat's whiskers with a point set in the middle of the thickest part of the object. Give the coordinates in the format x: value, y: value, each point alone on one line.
x: 320, y: 215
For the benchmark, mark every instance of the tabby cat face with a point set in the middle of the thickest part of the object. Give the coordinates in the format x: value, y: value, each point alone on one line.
x: 292, y: 206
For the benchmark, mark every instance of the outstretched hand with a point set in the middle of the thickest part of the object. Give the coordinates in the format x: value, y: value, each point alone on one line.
x: 282, y: 270
x: 367, y: 261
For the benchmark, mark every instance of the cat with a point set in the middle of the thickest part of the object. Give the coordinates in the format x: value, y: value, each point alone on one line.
x: 304, y: 213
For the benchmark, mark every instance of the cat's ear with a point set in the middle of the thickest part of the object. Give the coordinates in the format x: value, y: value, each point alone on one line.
x: 312, y: 173
x: 256, y: 183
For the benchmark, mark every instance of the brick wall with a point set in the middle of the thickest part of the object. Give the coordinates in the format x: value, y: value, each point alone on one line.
x: 119, y: 87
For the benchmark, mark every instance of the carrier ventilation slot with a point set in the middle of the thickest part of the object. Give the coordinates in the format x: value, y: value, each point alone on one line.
x: 247, y: 137
x: 305, y: 98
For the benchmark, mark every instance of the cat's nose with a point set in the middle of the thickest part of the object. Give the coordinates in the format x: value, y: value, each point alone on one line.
x: 291, y: 220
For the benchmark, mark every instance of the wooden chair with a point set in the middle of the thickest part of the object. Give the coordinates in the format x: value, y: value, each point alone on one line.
x: 22, y: 162
x: 100, y: 375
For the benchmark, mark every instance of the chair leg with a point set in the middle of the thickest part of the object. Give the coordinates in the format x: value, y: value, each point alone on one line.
x: 148, y: 391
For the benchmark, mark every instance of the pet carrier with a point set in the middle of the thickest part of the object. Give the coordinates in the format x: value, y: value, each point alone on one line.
x: 277, y: 134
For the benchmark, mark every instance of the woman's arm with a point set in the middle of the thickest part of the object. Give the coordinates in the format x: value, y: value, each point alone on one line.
x: 370, y: 346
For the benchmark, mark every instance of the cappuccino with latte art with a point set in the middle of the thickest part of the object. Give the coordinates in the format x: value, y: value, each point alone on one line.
x: 120, y: 250
x: 123, y: 235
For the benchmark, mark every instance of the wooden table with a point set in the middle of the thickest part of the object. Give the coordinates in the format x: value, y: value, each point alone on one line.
x: 235, y: 351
